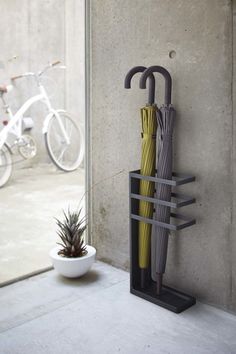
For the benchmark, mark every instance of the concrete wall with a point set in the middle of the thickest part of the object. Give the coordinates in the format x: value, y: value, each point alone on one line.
x: 128, y: 33
x: 38, y: 32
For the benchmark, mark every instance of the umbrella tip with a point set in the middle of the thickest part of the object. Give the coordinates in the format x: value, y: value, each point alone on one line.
x: 159, y: 283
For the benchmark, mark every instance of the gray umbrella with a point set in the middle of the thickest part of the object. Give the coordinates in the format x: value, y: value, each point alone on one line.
x: 166, y: 117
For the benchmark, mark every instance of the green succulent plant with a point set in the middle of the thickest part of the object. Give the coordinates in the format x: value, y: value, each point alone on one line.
x: 71, y: 230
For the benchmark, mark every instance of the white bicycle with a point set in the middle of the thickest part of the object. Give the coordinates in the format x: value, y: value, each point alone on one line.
x: 64, y: 139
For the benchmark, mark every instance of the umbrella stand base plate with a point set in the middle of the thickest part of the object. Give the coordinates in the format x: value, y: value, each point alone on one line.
x: 169, y: 298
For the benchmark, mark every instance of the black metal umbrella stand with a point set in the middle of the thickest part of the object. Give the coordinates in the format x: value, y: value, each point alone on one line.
x: 149, y: 286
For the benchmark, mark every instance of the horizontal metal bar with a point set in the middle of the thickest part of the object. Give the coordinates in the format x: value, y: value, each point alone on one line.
x: 152, y: 179
x: 188, y: 222
x: 183, y: 178
x: 174, y: 227
x: 180, y: 178
x: 153, y: 200
x: 181, y: 200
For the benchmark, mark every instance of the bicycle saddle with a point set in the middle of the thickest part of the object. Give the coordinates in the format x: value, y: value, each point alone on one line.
x: 5, y: 88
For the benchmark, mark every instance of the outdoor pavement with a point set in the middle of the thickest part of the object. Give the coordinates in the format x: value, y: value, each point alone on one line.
x: 97, y: 315
x: 28, y: 204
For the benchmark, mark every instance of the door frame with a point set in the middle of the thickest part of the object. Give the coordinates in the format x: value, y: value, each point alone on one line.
x: 88, y: 165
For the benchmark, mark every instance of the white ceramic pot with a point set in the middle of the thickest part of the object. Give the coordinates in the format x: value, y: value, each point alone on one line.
x: 73, y: 267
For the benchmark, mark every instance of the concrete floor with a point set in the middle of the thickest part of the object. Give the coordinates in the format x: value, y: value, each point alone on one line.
x: 97, y: 315
x: 28, y: 204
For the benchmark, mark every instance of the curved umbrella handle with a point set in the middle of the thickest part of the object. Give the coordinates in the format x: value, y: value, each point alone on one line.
x: 164, y: 73
x: 140, y: 69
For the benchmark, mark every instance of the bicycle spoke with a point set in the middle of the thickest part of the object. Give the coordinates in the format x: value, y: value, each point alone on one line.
x: 58, y: 137
x: 61, y: 155
x: 70, y: 133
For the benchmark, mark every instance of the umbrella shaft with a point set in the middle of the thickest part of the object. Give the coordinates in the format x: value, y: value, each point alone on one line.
x: 161, y: 249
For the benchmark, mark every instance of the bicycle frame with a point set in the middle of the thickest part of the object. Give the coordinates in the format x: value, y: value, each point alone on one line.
x: 14, y: 125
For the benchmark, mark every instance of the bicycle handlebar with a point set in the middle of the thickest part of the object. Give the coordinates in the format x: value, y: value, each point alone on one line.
x: 16, y: 77
x: 22, y: 75
x: 51, y: 65
x: 56, y: 63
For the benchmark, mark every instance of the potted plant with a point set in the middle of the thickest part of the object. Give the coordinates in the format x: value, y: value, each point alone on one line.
x: 72, y: 257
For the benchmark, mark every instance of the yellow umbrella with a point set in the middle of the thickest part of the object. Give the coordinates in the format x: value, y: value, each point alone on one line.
x: 149, y: 127
x: 148, y: 162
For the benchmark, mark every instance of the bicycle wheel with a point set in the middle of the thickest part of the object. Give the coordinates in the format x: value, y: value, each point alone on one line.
x: 65, y: 155
x: 5, y: 165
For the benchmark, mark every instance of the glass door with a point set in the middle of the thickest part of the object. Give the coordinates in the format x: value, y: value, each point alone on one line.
x: 41, y: 166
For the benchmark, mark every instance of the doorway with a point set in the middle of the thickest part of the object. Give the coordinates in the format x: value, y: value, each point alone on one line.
x: 49, y: 36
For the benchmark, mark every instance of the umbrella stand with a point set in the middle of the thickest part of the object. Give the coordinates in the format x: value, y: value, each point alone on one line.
x: 164, y: 219
x: 169, y: 298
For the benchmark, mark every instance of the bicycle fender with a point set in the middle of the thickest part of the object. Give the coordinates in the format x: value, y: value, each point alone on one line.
x: 48, y: 117
x: 9, y: 148
x: 46, y: 121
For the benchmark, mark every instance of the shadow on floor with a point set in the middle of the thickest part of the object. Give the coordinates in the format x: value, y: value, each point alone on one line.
x: 91, y: 277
